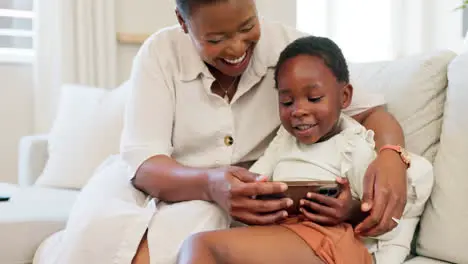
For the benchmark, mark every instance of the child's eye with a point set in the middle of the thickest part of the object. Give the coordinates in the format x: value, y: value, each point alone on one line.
x: 245, y: 30
x: 214, y: 41
x: 315, y: 99
x: 286, y: 103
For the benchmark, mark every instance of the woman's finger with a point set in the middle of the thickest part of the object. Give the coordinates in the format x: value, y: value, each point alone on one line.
x: 368, y: 189
x: 319, y: 209
x: 258, y: 188
x: 386, y: 224
x: 259, y: 219
x: 376, y: 214
x: 242, y: 174
x: 260, y: 206
x: 319, y: 219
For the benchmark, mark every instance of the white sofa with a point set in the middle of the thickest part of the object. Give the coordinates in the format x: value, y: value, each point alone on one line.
x: 427, y: 93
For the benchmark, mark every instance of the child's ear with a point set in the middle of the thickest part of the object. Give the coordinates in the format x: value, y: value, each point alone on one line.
x: 347, y: 96
x: 181, y: 21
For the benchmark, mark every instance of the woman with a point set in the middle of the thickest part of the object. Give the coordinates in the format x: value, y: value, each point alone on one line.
x: 202, y: 100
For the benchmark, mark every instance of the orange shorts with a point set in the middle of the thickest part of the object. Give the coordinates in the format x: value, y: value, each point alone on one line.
x: 332, y: 244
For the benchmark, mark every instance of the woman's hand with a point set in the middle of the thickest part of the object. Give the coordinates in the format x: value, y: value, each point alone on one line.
x: 233, y: 188
x: 384, y: 194
x: 327, y: 210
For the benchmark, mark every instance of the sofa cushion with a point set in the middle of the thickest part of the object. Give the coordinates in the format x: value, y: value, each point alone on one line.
x: 414, y: 90
x: 443, y: 225
x: 31, y: 215
x: 47, y: 253
x: 86, y: 131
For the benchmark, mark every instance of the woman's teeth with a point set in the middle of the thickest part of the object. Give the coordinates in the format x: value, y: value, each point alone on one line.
x: 236, y: 61
x: 303, y: 127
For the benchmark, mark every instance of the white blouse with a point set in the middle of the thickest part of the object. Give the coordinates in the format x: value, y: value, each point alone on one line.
x: 347, y: 154
x: 172, y: 111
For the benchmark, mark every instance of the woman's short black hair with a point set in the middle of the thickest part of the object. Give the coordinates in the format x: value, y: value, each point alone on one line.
x: 186, y: 7
x: 321, y: 47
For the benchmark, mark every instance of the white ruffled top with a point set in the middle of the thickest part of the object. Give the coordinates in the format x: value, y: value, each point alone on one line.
x: 347, y: 154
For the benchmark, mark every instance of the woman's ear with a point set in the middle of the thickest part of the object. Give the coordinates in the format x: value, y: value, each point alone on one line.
x: 346, y: 96
x: 181, y: 20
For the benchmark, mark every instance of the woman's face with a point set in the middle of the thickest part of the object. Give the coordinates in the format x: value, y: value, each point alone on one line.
x: 310, y: 98
x: 224, y: 33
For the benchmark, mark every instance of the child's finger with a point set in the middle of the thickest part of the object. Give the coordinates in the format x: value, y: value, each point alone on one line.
x: 319, y: 219
x: 318, y: 208
x: 323, y: 199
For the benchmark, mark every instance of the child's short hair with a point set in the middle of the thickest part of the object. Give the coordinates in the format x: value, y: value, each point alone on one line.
x: 321, y: 47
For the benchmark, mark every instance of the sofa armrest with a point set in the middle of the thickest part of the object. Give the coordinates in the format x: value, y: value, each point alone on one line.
x: 33, y: 155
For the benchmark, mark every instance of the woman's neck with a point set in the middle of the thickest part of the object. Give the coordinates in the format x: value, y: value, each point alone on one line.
x: 219, y: 76
x: 225, y: 86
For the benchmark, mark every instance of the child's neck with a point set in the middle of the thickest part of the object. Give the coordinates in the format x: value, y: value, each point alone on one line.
x: 336, y: 129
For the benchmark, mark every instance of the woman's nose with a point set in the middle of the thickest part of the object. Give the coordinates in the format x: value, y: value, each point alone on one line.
x: 237, y: 47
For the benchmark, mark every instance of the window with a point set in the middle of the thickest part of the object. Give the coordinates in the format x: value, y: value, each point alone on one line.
x: 16, y: 30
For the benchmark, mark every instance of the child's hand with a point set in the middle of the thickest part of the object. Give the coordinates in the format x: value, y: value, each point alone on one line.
x: 327, y: 210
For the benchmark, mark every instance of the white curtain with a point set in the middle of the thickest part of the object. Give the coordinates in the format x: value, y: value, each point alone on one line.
x: 372, y: 30
x: 75, y: 43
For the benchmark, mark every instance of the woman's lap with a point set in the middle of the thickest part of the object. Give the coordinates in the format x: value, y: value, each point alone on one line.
x: 110, y: 218
x: 174, y: 223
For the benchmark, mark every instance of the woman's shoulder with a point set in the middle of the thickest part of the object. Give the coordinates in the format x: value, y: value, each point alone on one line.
x: 171, y: 51
x: 165, y: 35
x: 166, y: 42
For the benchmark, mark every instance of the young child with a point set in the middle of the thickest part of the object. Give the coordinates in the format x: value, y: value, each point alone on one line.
x: 317, y: 142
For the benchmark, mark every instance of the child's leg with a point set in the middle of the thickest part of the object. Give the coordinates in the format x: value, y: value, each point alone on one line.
x: 245, y: 245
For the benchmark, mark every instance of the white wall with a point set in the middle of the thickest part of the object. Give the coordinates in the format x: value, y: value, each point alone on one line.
x: 147, y: 16
x: 15, y: 115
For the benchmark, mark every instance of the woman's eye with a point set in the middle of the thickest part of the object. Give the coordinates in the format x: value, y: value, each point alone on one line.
x: 315, y: 99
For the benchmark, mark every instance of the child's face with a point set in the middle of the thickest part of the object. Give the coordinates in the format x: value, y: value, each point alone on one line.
x: 310, y: 98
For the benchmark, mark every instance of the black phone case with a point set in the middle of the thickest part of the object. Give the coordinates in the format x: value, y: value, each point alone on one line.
x: 298, y: 190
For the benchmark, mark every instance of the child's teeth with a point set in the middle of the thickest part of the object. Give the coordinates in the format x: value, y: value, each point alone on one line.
x: 303, y: 127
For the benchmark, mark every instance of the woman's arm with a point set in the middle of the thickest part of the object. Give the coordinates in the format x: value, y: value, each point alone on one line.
x: 384, y: 195
x: 386, y: 128
x: 166, y: 179
x: 146, y: 143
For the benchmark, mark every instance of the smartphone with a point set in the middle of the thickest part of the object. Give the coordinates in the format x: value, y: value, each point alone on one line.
x: 298, y: 190
x: 4, y: 199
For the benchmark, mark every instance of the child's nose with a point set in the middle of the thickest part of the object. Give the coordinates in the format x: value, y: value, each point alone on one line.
x: 299, y: 112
